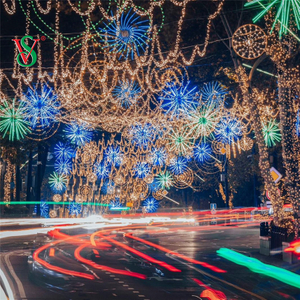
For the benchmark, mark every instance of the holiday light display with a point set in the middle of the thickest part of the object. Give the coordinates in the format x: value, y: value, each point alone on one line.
x: 159, y: 129
x: 271, y: 133
x: 283, y: 13
x: 63, y: 151
x: 228, y: 130
x: 202, y: 152
x: 78, y: 134
x: 63, y: 166
x: 213, y: 92
x: 249, y: 41
x: 178, y: 100
x: 165, y: 180
x: 151, y: 205
x: 126, y: 34
x: 57, y: 182
x: 126, y: 93
x: 40, y: 106
x: 44, y: 209
x: 12, y: 121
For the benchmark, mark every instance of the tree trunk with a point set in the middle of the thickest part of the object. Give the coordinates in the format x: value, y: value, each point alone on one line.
x: 264, y: 164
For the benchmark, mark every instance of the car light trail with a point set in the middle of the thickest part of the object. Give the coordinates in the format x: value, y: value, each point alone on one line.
x: 35, y: 256
x: 257, y: 266
x: 136, y: 252
x: 294, y: 247
x: 104, y: 268
x: 206, y: 265
x: 209, y: 292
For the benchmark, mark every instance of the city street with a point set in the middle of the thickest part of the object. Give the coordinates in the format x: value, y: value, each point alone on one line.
x: 160, y: 261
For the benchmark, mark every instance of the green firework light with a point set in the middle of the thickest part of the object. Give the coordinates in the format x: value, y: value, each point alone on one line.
x: 271, y: 133
x: 203, y: 121
x: 257, y: 266
x: 180, y: 141
x: 57, y: 182
x: 12, y: 121
x: 165, y: 180
x: 284, y: 10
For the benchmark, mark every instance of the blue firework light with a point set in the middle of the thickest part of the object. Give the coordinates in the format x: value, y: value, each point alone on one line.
x: 202, y: 152
x: 141, y: 169
x: 228, y: 130
x: 41, y: 106
x: 74, y: 209
x: 44, y: 209
x: 114, y: 155
x: 126, y: 35
x: 63, y: 151
x: 115, y: 204
x: 213, y: 93
x: 102, y: 169
x: 126, y: 93
x: 108, y: 187
x: 158, y: 156
x: 178, y: 100
x: 142, y: 135
x: 154, y: 186
x: 63, y: 167
x: 151, y: 205
x: 79, y: 134
x: 178, y: 165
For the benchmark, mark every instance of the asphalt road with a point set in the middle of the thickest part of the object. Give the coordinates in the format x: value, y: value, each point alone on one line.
x: 189, y: 281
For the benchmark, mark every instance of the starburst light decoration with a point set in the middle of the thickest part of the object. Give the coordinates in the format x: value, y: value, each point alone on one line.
x: 141, y: 169
x: 114, y: 155
x: 284, y: 10
x: 57, y: 182
x: 41, y: 106
x: 180, y: 141
x: 102, y: 169
x: 79, y: 134
x: 213, y: 93
x: 229, y: 130
x: 126, y: 93
x: 126, y: 35
x: 178, y: 165
x: 142, y: 135
x: 12, y: 121
x: 202, y: 152
x: 158, y: 156
x: 165, y: 180
x: 44, y: 209
x: 115, y: 204
x: 63, y: 151
x: 271, y: 133
x: 151, y: 205
x: 74, y: 209
x: 203, y: 121
x: 63, y: 167
x: 178, y: 100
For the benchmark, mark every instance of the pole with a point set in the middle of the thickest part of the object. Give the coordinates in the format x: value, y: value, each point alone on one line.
x: 254, y: 178
x: 226, y: 184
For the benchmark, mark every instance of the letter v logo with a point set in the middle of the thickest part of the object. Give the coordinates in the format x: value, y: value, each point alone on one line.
x: 27, y: 52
